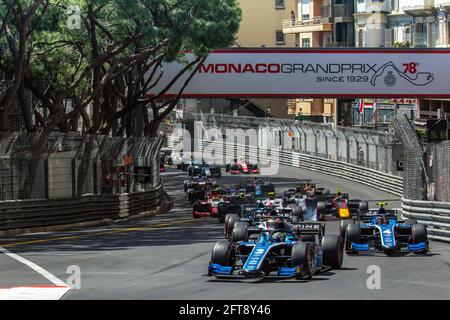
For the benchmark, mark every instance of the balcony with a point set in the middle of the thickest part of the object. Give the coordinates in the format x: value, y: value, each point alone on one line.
x: 337, y: 13
x: 419, y: 40
x: 419, y: 8
x: 313, y: 25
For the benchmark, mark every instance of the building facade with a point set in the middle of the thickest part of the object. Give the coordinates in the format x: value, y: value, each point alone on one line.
x: 318, y: 24
x: 409, y: 24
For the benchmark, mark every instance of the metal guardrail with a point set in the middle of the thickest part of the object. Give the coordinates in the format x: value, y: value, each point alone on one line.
x: 33, y: 215
x: 385, y: 182
x: 435, y: 215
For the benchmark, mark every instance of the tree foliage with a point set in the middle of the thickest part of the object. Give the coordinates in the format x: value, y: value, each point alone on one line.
x: 103, y: 56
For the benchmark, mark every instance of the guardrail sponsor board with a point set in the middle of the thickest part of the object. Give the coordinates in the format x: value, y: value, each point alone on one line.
x: 331, y: 73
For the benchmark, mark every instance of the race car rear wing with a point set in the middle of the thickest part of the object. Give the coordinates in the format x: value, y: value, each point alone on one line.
x: 307, y: 228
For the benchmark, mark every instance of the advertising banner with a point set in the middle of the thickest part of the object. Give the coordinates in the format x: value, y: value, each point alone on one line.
x: 310, y: 73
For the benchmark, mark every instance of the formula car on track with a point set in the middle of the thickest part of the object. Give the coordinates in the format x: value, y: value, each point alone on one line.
x: 339, y: 206
x: 239, y: 226
x: 241, y: 166
x: 382, y: 231
x: 281, y: 250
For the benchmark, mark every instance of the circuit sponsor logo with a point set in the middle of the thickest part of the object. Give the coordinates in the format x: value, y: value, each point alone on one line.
x: 370, y: 73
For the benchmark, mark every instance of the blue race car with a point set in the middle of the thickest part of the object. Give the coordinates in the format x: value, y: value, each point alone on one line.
x: 382, y: 231
x: 281, y: 250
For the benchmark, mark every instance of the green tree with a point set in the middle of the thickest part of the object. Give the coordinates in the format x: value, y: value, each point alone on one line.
x: 109, y: 60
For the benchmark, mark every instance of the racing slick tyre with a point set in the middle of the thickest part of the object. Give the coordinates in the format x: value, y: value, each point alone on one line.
x: 230, y: 220
x: 222, y: 253
x: 196, y: 207
x: 353, y: 234
x: 363, y: 207
x: 227, y: 168
x: 239, y: 232
x: 321, y: 208
x: 304, y: 254
x: 333, y: 251
x: 221, y: 212
x: 343, y: 226
x: 418, y: 235
x: 297, y: 214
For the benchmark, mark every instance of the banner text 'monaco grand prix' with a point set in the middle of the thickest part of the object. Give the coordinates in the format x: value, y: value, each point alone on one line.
x: 290, y: 73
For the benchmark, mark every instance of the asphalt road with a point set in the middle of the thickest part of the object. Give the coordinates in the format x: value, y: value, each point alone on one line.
x: 166, y: 257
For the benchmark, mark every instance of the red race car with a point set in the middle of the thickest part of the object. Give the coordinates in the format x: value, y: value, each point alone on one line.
x: 242, y: 166
x: 202, y: 209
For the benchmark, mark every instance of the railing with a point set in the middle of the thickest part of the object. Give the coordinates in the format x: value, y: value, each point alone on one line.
x: 336, y: 10
x: 289, y: 23
x: 45, y: 215
x: 435, y: 215
x: 373, y: 178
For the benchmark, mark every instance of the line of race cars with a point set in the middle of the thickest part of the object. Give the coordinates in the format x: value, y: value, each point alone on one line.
x: 267, y: 234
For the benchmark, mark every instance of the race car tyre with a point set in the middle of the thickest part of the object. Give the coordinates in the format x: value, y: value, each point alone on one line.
x: 239, y: 232
x: 304, y: 254
x: 333, y: 251
x: 227, y: 168
x: 230, y: 220
x: 221, y: 253
x: 353, y: 204
x: 321, y: 208
x: 353, y: 233
x: 419, y: 233
x: 221, y: 212
x: 363, y: 207
x: 343, y: 226
x: 297, y: 214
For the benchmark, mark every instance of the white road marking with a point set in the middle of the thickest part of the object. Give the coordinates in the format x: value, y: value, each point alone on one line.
x: 34, y: 293
x: 56, y: 281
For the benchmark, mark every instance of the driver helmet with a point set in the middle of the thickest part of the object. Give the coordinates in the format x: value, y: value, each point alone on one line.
x: 381, y: 219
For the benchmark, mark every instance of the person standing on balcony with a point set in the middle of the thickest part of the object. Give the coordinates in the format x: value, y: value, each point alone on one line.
x: 293, y: 17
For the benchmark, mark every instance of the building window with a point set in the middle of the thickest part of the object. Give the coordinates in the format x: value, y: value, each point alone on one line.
x: 279, y: 4
x: 306, y: 43
x: 305, y: 17
x: 279, y: 37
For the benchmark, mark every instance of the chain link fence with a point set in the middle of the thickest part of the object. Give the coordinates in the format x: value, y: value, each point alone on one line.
x: 59, y: 166
x: 439, y: 168
x: 426, y: 167
x: 367, y: 148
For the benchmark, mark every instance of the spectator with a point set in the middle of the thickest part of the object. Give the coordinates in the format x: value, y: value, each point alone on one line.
x: 293, y: 17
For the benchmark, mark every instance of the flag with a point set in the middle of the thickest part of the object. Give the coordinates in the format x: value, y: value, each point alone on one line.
x: 361, y: 105
x: 374, y: 110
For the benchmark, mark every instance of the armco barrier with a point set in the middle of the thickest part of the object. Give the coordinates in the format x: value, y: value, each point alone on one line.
x: 435, y: 215
x: 35, y: 215
x: 373, y: 178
